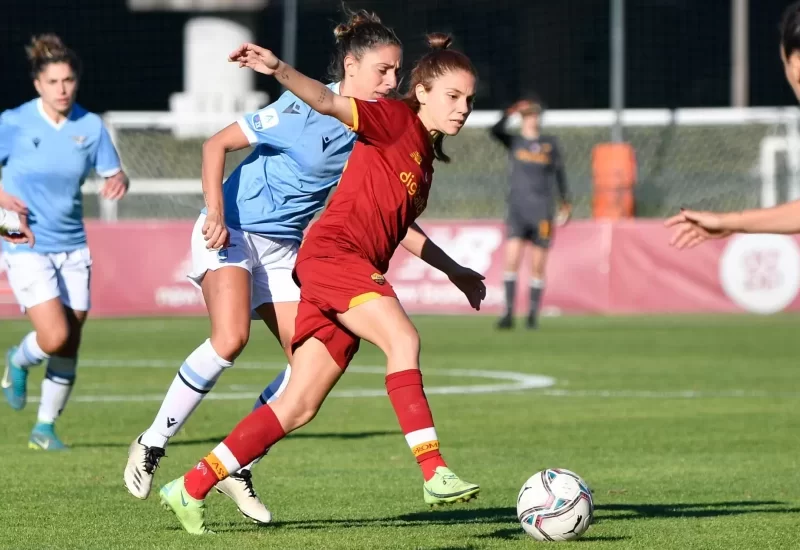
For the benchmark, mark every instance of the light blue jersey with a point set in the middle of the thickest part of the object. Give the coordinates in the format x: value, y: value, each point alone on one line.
x: 299, y: 156
x: 45, y: 165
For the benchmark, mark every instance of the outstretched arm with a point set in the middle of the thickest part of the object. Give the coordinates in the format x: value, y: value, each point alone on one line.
x: 695, y: 227
x: 314, y: 93
x: 468, y: 281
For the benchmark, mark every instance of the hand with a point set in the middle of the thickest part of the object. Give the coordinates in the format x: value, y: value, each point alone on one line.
x: 518, y: 106
x: 471, y: 284
x: 692, y: 228
x: 115, y: 187
x: 12, y: 203
x: 255, y: 57
x: 24, y: 235
x: 564, y: 214
x: 215, y: 232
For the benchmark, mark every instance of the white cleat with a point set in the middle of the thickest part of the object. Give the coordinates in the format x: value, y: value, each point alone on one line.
x: 142, y: 464
x: 239, y: 488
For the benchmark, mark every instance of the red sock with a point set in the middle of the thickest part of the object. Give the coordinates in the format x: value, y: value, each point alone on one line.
x: 412, y: 410
x: 249, y: 439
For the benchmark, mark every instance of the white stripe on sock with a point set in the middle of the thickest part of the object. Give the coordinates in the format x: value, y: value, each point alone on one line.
x: 421, y: 436
x: 225, y: 456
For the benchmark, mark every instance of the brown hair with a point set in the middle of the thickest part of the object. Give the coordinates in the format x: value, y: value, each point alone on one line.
x: 434, y: 64
x: 790, y: 29
x: 48, y: 48
x: 362, y: 32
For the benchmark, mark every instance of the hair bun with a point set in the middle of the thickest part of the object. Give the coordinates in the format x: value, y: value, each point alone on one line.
x: 341, y: 31
x: 356, y: 19
x: 439, y: 41
x: 45, y: 46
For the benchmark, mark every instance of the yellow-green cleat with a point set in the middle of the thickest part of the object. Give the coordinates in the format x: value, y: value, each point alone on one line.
x: 445, y: 487
x: 190, y: 511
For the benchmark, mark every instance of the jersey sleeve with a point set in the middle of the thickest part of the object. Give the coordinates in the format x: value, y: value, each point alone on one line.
x: 277, y: 125
x: 106, y: 159
x: 380, y: 121
x: 6, y: 136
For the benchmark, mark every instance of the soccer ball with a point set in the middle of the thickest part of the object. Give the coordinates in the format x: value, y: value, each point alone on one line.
x: 555, y: 504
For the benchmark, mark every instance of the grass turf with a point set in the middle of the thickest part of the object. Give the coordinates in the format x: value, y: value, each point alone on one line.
x: 685, y: 427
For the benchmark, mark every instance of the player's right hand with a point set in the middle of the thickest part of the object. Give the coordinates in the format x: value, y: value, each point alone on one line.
x: 215, y: 232
x: 12, y: 203
x: 23, y: 236
x: 255, y: 57
x: 692, y: 228
x: 520, y: 105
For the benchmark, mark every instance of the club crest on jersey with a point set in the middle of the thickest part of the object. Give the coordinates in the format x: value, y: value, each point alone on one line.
x: 378, y: 278
x: 36, y: 142
x: 79, y: 140
x: 417, y: 157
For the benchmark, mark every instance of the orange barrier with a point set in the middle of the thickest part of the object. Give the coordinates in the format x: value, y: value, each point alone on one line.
x: 614, y: 177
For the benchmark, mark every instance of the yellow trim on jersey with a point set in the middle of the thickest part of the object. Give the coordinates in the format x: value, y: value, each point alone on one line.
x: 363, y: 299
x: 354, y: 106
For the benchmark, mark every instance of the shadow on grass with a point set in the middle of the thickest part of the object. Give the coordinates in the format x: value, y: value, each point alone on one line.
x: 616, y: 512
x: 505, y: 517
x: 216, y: 439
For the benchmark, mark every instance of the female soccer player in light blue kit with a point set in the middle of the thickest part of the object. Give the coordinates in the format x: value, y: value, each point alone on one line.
x: 48, y: 146
x: 255, y: 222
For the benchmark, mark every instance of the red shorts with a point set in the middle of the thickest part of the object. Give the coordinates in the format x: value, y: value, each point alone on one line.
x: 329, y: 286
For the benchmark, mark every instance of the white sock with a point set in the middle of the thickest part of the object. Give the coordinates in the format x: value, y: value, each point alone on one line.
x: 270, y: 394
x: 194, y: 380
x: 29, y: 353
x: 56, y: 388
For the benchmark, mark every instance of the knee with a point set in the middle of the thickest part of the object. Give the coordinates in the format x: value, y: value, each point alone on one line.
x: 295, y: 414
x: 230, y: 342
x: 53, y: 340
x: 405, y: 346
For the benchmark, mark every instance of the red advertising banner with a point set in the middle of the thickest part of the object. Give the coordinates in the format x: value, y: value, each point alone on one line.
x: 594, y: 267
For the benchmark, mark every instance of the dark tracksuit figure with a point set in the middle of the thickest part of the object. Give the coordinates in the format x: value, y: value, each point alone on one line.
x: 537, y: 180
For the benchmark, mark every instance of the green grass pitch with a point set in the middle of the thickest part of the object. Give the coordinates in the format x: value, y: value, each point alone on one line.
x: 687, y: 429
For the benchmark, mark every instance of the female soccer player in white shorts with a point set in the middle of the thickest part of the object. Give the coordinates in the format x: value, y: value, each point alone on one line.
x: 255, y: 222
x: 48, y: 146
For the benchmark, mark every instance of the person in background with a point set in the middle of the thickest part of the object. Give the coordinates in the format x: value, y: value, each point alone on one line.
x: 537, y: 176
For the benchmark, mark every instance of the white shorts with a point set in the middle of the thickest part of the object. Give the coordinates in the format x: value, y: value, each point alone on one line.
x: 269, y: 261
x: 36, y: 278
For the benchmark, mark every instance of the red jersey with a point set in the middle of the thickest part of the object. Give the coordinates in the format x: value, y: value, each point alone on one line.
x: 384, y: 186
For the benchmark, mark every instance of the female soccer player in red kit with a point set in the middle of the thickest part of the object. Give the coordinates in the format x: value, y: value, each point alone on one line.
x: 340, y: 269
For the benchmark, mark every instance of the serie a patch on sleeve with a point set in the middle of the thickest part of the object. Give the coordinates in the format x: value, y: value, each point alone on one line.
x: 265, y: 118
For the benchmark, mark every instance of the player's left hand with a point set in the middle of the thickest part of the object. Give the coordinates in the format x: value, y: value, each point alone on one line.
x: 471, y: 284
x: 115, y: 187
x: 255, y: 57
x: 564, y: 214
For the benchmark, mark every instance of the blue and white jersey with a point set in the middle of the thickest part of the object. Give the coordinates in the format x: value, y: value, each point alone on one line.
x: 45, y: 165
x: 299, y: 156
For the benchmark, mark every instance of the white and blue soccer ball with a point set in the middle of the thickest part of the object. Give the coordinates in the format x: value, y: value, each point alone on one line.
x: 555, y: 505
